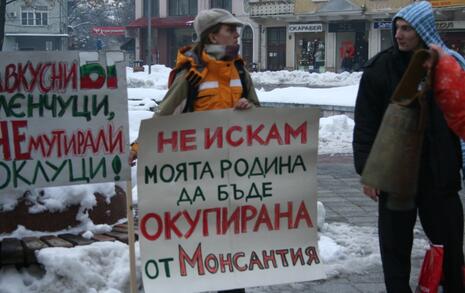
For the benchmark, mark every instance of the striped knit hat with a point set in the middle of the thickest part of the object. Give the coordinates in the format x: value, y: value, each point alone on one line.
x: 420, y: 16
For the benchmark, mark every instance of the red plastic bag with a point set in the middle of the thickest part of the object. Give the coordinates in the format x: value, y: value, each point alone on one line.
x: 431, y: 270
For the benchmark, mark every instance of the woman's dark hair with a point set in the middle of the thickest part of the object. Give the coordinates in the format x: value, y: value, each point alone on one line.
x: 205, y: 38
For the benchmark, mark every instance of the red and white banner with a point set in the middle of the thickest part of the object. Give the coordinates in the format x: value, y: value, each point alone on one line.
x: 228, y: 199
x: 109, y: 31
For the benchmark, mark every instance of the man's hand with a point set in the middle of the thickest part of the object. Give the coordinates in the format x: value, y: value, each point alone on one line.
x: 371, y: 192
x: 243, y: 104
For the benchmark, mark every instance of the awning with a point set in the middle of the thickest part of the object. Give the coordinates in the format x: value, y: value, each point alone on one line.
x: 165, y: 22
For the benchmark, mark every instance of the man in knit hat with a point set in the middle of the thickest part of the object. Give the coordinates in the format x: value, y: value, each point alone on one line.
x: 437, y: 201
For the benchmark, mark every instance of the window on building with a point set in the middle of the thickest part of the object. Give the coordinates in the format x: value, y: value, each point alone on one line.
x: 182, y: 7
x: 48, y: 45
x: 247, y: 46
x: 34, y: 16
x: 225, y: 4
x: 155, y: 7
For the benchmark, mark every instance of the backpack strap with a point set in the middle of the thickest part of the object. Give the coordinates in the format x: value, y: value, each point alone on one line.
x: 192, y: 93
x: 197, y: 60
x: 193, y: 83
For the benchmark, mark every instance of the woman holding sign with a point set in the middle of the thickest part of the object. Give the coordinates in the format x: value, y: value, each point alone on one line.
x: 210, y: 75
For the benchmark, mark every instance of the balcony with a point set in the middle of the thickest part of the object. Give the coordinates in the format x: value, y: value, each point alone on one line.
x: 267, y: 8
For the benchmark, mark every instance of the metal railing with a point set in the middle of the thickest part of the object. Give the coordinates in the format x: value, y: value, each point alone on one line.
x: 263, y: 8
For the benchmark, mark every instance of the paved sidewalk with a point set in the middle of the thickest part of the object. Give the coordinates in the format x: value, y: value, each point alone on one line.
x: 339, y: 190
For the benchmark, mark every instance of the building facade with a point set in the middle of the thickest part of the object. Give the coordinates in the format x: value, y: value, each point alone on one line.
x: 310, y: 35
x: 171, y: 26
x: 338, y: 35
x: 36, y: 25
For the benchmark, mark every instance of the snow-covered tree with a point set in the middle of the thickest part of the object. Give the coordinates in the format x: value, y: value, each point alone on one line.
x: 85, y: 14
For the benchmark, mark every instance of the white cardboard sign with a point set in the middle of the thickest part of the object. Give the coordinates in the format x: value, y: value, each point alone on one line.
x: 227, y: 199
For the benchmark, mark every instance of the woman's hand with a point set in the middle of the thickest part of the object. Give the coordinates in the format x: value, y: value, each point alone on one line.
x: 436, y: 53
x: 133, y: 154
x: 132, y: 158
x: 243, y: 104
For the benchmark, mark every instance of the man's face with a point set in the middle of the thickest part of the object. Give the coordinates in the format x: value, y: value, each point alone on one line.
x: 406, y: 37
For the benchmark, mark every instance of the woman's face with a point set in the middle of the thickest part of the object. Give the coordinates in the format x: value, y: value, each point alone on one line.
x: 227, y: 35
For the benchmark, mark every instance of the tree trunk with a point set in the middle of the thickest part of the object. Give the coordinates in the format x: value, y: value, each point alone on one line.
x: 2, y: 22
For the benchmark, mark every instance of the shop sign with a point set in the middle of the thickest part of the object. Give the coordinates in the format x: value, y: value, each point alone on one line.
x: 305, y: 27
x: 108, y: 31
x: 352, y: 26
x: 450, y: 25
x: 447, y: 3
x: 382, y: 25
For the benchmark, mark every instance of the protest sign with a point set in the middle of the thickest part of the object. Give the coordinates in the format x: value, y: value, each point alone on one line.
x: 227, y: 199
x: 63, y: 119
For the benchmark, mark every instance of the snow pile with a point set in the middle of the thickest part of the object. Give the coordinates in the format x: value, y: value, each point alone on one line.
x: 158, y: 78
x: 335, y: 135
x: 53, y: 199
x: 9, y: 199
x: 347, y: 249
x: 146, y: 90
x: 338, y: 96
x: 99, y: 267
x: 86, y: 225
x: 56, y: 199
x: 327, y: 79
x: 144, y: 99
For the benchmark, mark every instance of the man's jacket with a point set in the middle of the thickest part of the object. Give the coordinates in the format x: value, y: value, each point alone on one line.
x: 441, y: 157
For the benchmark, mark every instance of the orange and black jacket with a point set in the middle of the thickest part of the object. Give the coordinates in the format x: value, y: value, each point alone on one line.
x: 219, y: 85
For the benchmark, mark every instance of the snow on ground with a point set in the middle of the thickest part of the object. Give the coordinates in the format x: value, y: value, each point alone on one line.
x: 335, y: 135
x: 103, y: 267
x: 159, y: 75
x: 98, y: 267
x: 156, y: 79
x: 327, y: 79
x: 305, y: 88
